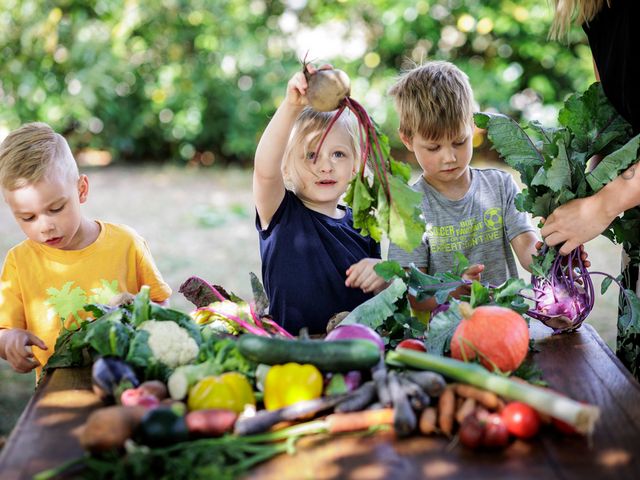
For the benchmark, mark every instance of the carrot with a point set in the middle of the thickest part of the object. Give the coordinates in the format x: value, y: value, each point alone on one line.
x: 428, y: 420
x: 210, y: 422
x: 446, y: 408
x: 485, y: 398
x: 467, y: 408
x: 354, y: 421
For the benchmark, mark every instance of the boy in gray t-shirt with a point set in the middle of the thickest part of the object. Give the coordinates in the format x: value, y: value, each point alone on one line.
x: 467, y: 210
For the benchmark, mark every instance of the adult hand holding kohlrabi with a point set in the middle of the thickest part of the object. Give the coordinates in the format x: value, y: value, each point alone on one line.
x: 553, y: 166
x: 612, y: 31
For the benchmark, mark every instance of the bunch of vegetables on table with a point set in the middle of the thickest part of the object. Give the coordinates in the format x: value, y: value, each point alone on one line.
x: 181, y: 389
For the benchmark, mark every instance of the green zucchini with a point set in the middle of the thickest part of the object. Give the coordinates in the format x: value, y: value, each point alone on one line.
x: 328, y: 356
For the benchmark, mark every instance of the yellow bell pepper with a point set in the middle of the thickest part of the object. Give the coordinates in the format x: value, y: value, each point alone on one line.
x: 291, y: 383
x: 229, y: 391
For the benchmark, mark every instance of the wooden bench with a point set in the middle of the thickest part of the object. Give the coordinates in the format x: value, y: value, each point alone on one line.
x: 578, y: 364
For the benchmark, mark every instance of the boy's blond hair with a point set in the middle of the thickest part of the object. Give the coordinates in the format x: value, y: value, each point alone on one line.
x: 34, y: 151
x: 434, y: 100
x: 568, y: 11
x: 307, y: 131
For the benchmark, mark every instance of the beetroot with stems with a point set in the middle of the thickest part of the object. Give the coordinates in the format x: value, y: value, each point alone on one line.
x: 383, y: 201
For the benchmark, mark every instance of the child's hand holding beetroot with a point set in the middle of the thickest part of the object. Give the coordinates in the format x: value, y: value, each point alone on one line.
x: 362, y: 275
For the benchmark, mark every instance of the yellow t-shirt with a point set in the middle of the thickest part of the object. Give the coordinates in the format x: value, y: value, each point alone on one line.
x: 41, y: 286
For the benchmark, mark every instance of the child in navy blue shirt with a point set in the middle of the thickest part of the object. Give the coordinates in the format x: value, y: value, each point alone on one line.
x: 314, y: 263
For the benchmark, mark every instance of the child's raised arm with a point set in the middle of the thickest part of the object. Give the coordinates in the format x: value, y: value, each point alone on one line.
x: 268, y: 184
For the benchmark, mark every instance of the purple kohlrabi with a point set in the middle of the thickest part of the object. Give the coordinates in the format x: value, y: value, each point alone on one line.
x: 564, y: 298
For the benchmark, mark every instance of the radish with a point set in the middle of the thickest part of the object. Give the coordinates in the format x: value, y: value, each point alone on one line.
x: 384, y: 203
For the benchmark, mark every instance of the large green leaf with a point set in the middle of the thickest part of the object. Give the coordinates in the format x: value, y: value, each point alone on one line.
x: 441, y: 329
x: 512, y: 143
x: 612, y: 164
x: 376, y: 310
x: 592, y: 120
x: 406, y: 226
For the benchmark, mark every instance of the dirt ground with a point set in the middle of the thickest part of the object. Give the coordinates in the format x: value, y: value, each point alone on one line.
x: 200, y: 222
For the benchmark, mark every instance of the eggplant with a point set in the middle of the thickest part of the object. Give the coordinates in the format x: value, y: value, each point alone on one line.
x: 110, y: 376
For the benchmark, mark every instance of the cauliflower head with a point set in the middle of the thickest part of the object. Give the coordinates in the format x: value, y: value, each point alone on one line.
x: 170, y: 343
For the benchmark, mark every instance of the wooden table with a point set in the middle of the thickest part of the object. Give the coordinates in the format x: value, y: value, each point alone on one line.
x: 578, y: 364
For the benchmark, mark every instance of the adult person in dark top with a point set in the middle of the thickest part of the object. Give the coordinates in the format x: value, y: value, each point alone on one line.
x: 613, y: 32
x: 314, y: 262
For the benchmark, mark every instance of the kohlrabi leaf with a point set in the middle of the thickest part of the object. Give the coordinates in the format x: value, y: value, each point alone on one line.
x: 559, y: 174
x: 592, y: 120
x: 629, y: 322
x: 512, y: 143
x: 611, y: 165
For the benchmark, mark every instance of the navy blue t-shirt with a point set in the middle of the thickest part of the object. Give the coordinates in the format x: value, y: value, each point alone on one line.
x: 305, y: 256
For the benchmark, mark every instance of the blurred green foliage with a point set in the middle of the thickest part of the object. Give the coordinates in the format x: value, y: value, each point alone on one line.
x: 197, y: 80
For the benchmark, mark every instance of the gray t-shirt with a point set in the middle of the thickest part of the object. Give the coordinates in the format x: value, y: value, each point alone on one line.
x: 480, y: 225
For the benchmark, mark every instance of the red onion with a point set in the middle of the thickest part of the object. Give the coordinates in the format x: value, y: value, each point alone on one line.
x: 353, y: 331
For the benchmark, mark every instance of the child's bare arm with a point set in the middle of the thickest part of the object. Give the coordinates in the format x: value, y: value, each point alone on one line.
x: 268, y: 184
x: 15, y: 348
x: 362, y: 275
x: 524, y: 245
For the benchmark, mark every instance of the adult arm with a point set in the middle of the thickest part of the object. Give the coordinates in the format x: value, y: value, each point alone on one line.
x: 583, y: 219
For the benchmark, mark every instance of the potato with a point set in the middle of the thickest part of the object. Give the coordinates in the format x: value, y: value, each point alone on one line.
x: 109, y: 427
x: 211, y: 422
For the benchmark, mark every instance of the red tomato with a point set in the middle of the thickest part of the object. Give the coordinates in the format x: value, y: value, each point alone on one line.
x: 412, y: 344
x: 521, y: 420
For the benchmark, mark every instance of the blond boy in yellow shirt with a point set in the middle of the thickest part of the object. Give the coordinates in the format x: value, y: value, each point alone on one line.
x: 67, y: 259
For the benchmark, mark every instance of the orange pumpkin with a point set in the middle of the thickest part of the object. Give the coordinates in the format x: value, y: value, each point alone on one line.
x: 497, y: 336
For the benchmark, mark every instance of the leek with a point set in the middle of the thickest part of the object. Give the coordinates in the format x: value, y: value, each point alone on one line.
x: 581, y: 417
